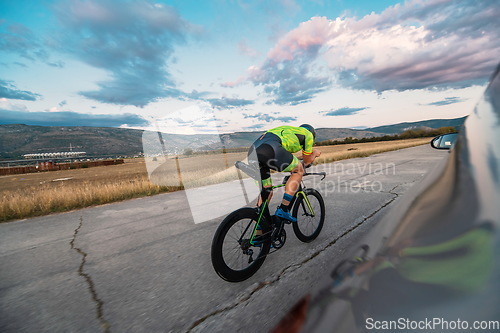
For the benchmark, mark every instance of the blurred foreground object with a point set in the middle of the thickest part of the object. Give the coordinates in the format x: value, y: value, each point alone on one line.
x: 432, y: 258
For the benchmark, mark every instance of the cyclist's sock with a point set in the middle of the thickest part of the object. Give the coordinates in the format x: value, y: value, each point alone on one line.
x: 285, y: 204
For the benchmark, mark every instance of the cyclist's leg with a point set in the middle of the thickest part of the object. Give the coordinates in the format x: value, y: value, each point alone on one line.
x: 286, y: 161
x: 291, y: 187
x: 293, y: 183
x: 267, y: 185
x: 264, y: 153
x: 260, y: 153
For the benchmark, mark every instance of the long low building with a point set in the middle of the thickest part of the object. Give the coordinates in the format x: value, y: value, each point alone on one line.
x: 55, y: 155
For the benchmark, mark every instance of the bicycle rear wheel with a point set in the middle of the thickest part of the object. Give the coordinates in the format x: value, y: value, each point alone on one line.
x: 233, y: 257
x: 310, y: 218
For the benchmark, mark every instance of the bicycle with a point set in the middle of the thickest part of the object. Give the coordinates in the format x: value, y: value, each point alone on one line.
x: 244, y: 238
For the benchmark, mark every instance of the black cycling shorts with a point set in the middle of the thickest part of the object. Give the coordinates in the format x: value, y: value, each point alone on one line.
x: 271, y: 155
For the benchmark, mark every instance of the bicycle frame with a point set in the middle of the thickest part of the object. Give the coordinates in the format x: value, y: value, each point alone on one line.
x: 264, y: 207
x: 262, y: 231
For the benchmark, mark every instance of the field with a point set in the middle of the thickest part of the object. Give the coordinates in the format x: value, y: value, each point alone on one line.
x: 353, y: 150
x: 43, y: 193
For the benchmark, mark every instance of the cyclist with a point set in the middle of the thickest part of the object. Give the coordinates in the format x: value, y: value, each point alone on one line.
x: 273, y: 150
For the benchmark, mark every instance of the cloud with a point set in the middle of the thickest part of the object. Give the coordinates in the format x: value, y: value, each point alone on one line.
x: 268, y: 118
x: 257, y: 126
x: 69, y: 118
x: 198, y: 95
x: 228, y: 103
x: 20, y: 40
x: 5, y: 104
x: 293, y: 89
x: 57, y: 64
x: 290, y: 6
x: 447, y: 101
x: 132, y: 42
x: 182, y: 121
x: 343, y: 111
x: 289, y: 76
x: 247, y: 50
x: 416, y: 45
x: 20, y: 64
x: 10, y: 91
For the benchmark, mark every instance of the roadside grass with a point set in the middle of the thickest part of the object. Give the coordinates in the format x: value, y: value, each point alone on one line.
x: 353, y: 150
x: 37, y: 194
x: 45, y: 199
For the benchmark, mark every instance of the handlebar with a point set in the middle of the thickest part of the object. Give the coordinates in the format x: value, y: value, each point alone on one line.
x: 316, y: 174
x: 307, y: 174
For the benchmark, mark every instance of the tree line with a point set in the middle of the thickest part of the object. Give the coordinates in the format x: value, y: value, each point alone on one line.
x: 408, y: 134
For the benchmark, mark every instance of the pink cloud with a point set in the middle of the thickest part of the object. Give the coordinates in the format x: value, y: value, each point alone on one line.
x: 312, y: 33
x: 232, y: 84
x: 415, y: 45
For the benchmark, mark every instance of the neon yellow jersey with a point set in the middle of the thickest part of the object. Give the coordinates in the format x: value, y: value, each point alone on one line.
x: 294, y: 139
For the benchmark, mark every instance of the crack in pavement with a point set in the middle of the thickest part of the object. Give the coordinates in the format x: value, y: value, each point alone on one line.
x: 296, y: 266
x: 91, y: 286
x: 245, y: 298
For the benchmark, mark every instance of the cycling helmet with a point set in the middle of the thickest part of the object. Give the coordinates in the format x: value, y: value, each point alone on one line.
x: 310, y: 129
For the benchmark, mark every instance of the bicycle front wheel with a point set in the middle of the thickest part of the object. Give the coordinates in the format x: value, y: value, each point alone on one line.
x: 310, y: 214
x: 234, y: 257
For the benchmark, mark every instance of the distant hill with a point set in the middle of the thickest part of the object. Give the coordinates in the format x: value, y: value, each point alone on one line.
x: 18, y: 139
x: 433, y: 123
x: 244, y: 139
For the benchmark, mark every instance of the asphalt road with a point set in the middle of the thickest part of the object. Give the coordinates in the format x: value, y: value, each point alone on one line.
x: 143, y: 265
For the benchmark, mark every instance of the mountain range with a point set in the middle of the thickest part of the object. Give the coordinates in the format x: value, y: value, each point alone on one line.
x: 433, y: 123
x: 19, y: 139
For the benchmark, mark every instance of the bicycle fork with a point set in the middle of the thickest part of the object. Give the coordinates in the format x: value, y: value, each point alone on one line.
x: 309, y: 211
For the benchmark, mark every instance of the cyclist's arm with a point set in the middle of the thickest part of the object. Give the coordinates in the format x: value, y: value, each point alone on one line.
x: 309, y: 158
x: 308, y: 153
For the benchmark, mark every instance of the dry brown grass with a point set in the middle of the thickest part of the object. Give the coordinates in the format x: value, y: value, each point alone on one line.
x: 43, y: 193
x: 45, y: 199
x: 353, y: 150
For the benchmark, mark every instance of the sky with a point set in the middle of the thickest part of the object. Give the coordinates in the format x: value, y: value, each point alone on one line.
x: 240, y: 65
